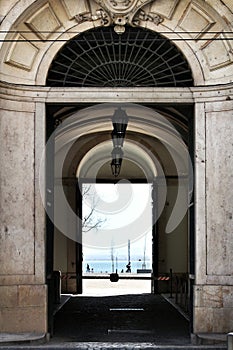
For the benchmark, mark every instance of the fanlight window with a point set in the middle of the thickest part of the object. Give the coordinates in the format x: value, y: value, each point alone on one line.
x: 102, y: 58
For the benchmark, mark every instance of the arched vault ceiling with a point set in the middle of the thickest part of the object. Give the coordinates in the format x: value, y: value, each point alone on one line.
x: 152, y: 142
x: 33, y: 32
x: 178, y: 115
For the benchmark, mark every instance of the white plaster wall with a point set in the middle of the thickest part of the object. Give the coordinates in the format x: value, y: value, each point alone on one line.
x: 60, y: 252
x: 177, y: 240
x: 173, y: 246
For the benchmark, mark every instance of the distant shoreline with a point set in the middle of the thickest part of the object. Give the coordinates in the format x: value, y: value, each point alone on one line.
x: 107, y: 266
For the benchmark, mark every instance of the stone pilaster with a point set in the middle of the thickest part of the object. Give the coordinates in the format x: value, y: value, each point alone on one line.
x: 213, y: 302
x: 23, y: 304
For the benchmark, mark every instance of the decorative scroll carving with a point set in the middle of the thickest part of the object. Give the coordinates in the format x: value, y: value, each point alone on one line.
x: 143, y: 16
x: 88, y: 16
x: 120, y: 13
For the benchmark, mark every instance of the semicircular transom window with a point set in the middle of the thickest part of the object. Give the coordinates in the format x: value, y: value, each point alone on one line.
x: 102, y: 58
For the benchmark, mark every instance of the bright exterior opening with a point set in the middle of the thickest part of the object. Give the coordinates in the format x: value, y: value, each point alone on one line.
x: 113, y: 239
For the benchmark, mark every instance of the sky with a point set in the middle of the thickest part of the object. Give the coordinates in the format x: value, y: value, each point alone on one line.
x: 126, y: 212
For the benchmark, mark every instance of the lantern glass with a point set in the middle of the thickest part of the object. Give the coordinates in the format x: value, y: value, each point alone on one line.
x: 120, y: 121
x: 117, y: 139
x: 116, y: 168
x: 117, y: 155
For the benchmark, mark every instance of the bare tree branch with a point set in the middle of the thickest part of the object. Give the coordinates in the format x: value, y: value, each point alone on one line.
x: 91, y: 221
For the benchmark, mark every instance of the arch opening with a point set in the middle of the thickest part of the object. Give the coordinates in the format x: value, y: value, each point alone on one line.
x: 86, y: 153
x: 34, y: 32
x: 159, y: 151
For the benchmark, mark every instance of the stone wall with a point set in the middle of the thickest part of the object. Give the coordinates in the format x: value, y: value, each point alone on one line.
x: 213, y: 308
x: 213, y: 302
x: 200, y: 29
x: 32, y: 29
x: 22, y: 259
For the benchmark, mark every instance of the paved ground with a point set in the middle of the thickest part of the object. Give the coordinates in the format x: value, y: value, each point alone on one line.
x: 125, y: 318
x: 105, y: 287
x: 101, y: 319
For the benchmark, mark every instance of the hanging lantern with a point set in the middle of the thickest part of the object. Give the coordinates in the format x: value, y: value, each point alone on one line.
x: 117, y: 156
x: 120, y: 122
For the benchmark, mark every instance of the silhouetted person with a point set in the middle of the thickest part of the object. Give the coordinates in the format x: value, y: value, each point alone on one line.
x: 128, y: 267
x: 88, y: 268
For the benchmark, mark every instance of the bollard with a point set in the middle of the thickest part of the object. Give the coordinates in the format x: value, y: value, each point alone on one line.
x: 230, y: 341
x: 114, y: 277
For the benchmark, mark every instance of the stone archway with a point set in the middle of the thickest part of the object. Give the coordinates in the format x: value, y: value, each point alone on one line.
x: 152, y: 143
x: 33, y: 32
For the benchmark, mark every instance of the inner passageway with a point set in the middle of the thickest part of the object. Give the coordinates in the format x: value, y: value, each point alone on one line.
x: 124, y: 318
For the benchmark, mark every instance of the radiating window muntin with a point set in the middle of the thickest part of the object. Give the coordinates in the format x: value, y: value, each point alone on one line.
x: 102, y: 58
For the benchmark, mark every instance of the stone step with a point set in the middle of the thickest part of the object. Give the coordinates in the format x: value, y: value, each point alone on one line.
x: 210, y: 338
x: 116, y: 346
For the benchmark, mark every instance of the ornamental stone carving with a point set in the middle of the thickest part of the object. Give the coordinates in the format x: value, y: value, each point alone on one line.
x: 88, y: 16
x: 143, y: 16
x: 120, y: 13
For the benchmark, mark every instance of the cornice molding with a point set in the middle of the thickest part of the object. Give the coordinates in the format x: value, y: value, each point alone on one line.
x: 39, y: 94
